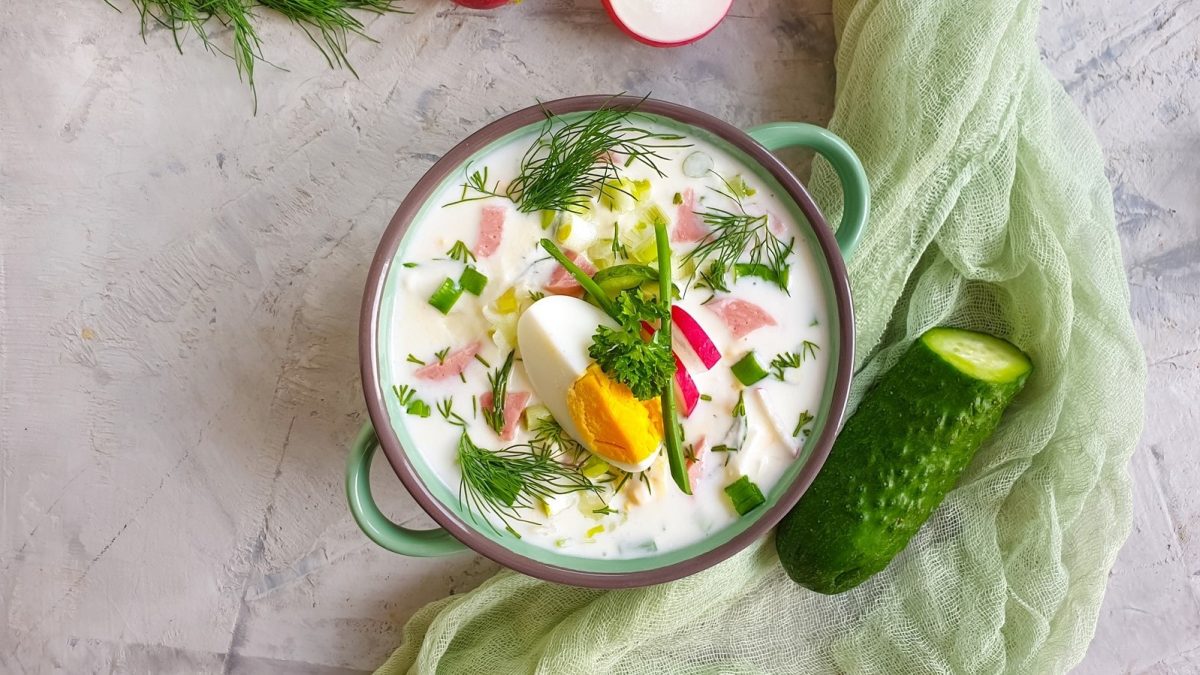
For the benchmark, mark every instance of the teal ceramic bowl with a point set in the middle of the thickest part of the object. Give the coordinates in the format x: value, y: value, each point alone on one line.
x: 459, y: 529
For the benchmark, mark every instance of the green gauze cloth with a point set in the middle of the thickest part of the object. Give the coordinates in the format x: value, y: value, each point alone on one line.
x: 991, y: 211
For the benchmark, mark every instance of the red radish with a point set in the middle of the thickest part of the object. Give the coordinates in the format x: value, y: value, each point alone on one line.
x: 705, y: 349
x: 491, y: 229
x: 514, y: 405
x: 452, y: 365
x: 482, y: 4
x: 667, y: 23
x: 685, y: 386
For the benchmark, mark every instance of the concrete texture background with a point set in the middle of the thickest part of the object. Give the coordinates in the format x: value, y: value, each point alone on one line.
x: 179, y: 287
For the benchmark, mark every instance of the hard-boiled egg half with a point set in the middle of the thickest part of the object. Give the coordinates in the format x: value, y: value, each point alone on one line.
x: 603, y: 415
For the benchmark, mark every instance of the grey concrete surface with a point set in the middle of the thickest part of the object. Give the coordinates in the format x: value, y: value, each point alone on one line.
x: 179, y: 286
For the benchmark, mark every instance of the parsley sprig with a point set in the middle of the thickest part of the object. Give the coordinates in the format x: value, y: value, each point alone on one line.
x: 645, y: 366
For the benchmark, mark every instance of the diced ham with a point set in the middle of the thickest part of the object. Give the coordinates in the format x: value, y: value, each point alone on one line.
x: 451, y: 366
x: 562, y: 282
x: 741, y: 316
x: 687, y: 226
x: 514, y: 406
x: 491, y: 229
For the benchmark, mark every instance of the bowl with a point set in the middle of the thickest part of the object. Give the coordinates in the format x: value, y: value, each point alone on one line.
x: 458, y: 529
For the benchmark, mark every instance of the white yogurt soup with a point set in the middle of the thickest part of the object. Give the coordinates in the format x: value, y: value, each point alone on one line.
x: 578, y: 458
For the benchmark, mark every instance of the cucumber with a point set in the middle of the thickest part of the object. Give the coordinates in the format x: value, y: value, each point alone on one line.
x: 898, y: 456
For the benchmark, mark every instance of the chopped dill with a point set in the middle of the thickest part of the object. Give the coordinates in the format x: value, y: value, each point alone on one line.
x: 568, y: 161
x: 445, y: 408
x: 477, y: 182
x: 605, y: 510
x: 498, y: 380
x: 460, y: 252
x: 783, y: 362
x: 734, y: 234
x: 409, y: 265
x: 441, y: 355
x: 739, y: 409
x: 502, y: 482
x: 404, y: 393
x: 414, y: 359
x: 534, y: 296
x: 483, y: 361
x: 805, y: 419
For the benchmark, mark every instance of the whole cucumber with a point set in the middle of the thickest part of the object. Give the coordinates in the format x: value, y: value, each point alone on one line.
x: 898, y: 456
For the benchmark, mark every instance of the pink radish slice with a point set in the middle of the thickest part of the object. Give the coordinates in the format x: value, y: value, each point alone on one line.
x: 706, y: 350
x: 685, y: 386
x: 667, y: 23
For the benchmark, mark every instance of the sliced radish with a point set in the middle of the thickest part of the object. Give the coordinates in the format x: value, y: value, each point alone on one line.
x: 685, y: 386
x: 667, y: 23
x: 706, y: 350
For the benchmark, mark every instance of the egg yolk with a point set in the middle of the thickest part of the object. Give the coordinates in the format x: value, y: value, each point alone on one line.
x: 613, y: 422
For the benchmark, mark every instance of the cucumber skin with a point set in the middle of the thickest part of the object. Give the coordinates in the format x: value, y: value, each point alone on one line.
x: 891, y: 466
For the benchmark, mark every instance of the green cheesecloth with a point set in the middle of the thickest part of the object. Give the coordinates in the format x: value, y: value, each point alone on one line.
x: 991, y: 211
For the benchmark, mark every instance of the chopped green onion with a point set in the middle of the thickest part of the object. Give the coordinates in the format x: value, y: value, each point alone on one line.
x: 594, y: 531
x: 748, y: 370
x: 623, y: 277
x: 419, y: 408
x: 409, y: 265
x: 445, y: 296
x: 677, y: 199
x: 472, y: 280
x: 670, y: 416
x: 738, y: 186
x: 745, y: 495
x: 641, y: 189
x: 594, y: 467
x: 779, y: 278
x: 705, y: 397
x: 548, y: 219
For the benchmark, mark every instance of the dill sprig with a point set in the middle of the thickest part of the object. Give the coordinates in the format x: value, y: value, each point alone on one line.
x: 783, y: 362
x: 569, y: 161
x: 734, y: 234
x: 328, y: 24
x: 498, y: 380
x: 805, y: 418
x: 502, y: 482
x: 475, y: 184
x: 549, y: 434
x: 460, y: 252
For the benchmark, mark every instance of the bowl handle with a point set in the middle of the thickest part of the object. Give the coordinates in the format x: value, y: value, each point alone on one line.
x: 419, y: 543
x: 856, y: 192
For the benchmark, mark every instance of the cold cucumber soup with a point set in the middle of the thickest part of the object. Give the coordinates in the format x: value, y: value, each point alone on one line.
x: 541, y: 369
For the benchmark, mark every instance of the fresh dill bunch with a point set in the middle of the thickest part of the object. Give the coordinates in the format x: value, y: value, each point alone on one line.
x: 734, y: 234
x: 327, y: 23
x: 570, y: 161
x: 498, y: 380
x: 502, y: 482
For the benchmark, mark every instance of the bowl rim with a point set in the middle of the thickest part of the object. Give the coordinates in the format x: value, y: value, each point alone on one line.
x: 368, y: 341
